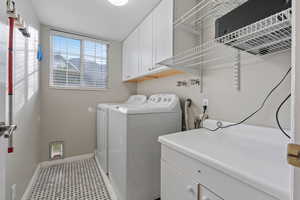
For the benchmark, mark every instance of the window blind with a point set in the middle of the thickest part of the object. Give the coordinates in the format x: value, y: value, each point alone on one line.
x: 78, y: 62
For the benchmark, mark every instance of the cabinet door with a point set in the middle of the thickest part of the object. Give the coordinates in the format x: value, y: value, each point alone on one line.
x: 125, y: 73
x: 134, y: 54
x: 163, y: 30
x: 146, y: 45
x: 131, y: 55
x: 177, y: 186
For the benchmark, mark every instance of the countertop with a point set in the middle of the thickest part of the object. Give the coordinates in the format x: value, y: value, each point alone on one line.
x: 254, y: 155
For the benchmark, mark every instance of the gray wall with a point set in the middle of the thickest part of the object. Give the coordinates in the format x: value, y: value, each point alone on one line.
x: 22, y: 163
x: 65, y: 114
x: 225, y: 102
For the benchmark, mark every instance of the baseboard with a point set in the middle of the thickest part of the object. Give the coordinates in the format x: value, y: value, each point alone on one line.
x: 106, y: 181
x: 27, y: 192
x: 67, y: 160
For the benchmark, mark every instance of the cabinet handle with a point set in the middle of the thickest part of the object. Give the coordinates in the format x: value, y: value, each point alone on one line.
x: 199, y: 192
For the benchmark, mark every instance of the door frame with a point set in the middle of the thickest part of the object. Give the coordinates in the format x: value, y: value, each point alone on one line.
x: 295, y: 102
x: 3, y: 100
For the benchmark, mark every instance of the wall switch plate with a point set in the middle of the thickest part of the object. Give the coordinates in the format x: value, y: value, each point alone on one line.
x: 205, y: 102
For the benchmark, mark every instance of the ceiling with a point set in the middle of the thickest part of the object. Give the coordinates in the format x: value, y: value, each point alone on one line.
x: 94, y: 17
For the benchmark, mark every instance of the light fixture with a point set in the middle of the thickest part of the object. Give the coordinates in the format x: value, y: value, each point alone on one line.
x: 118, y: 2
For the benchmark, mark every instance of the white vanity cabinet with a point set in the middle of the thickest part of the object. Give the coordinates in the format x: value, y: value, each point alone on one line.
x: 177, y: 186
x: 150, y: 43
x: 183, y: 177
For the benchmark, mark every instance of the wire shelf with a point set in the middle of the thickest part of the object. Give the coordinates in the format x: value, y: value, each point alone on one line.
x: 263, y: 37
x: 268, y: 36
x: 204, y: 11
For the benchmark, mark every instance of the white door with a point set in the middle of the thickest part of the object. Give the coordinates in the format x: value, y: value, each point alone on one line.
x: 296, y: 91
x: 3, y: 61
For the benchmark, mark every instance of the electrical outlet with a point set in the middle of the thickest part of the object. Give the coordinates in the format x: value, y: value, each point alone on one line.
x: 14, y: 192
x: 91, y: 109
x: 205, y: 102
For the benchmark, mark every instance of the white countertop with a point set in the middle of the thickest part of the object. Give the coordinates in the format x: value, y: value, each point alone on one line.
x: 254, y: 155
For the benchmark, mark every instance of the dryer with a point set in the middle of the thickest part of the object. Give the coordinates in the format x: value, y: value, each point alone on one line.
x: 134, y: 151
x: 102, y: 128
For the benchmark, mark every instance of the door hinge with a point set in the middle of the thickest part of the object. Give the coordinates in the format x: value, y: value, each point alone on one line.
x: 294, y: 155
x: 7, y: 130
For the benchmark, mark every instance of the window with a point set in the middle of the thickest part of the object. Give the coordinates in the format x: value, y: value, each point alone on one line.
x: 78, y: 62
x: 26, y: 67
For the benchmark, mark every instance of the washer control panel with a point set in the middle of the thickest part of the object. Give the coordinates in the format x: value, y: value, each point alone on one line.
x: 162, y: 99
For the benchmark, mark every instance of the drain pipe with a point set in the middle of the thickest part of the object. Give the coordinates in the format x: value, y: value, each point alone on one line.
x: 10, y: 82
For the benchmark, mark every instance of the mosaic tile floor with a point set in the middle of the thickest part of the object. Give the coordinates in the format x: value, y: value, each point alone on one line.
x: 78, y: 180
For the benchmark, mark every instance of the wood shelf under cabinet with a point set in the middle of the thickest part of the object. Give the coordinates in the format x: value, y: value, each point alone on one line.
x: 166, y: 73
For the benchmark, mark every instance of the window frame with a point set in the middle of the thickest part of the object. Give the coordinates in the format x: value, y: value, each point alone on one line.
x: 81, y: 38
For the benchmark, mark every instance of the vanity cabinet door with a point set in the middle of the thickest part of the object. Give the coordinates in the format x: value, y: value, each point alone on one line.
x: 177, y: 186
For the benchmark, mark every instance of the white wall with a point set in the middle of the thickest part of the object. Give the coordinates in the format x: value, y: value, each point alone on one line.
x: 65, y: 114
x: 22, y: 163
x: 225, y: 102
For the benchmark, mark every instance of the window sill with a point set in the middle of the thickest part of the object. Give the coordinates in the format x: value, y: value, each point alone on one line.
x: 79, y: 88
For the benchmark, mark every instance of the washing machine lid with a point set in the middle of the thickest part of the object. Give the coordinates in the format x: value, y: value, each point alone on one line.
x: 159, y: 103
x: 132, y: 100
x: 136, y: 100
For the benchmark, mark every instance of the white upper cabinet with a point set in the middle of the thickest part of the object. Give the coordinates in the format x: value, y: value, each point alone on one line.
x: 146, y: 45
x: 150, y: 43
x: 125, y: 72
x: 132, y: 56
x: 163, y: 30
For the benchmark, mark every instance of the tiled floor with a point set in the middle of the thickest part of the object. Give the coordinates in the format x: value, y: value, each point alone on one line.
x: 78, y: 180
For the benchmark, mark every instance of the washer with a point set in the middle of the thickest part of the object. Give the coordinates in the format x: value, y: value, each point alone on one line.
x: 102, y: 127
x: 134, y: 151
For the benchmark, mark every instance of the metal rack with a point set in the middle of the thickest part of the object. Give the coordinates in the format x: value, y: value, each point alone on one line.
x: 270, y: 35
x: 205, y: 11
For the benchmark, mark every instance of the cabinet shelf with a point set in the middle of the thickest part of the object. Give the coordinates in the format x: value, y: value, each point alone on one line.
x: 265, y: 37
